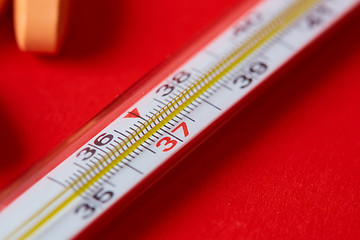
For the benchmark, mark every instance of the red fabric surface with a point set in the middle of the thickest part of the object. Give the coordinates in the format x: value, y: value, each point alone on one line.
x: 287, y: 167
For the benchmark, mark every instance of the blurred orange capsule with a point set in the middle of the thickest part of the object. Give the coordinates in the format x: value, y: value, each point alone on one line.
x: 40, y: 25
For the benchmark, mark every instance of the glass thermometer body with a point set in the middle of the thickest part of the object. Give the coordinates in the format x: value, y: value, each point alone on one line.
x: 149, y: 128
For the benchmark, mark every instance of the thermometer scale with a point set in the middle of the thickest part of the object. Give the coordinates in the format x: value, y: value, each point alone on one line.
x: 145, y: 132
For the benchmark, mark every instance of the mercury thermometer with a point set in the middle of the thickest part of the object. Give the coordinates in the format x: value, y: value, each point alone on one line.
x: 150, y: 127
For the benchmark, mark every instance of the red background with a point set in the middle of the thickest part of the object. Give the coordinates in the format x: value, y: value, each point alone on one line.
x: 287, y: 167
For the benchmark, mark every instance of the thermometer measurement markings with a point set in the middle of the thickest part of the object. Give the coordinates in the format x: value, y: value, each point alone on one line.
x: 162, y: 129
x: 198, y: 83
x: 204, y: 100
x: 225, y: 86
x: 203, y: 87
x: 75, y: 177
x: 211, y: 104
x: 92, y: 168
x: 92, y: 174
x: 182, y: 114
x: 56, y: 181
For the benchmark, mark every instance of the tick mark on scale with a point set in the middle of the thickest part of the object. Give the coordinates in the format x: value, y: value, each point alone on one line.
x: 56, y: 181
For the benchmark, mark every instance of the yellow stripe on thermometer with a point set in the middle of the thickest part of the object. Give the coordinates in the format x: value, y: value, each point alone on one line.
x: 163, y: 121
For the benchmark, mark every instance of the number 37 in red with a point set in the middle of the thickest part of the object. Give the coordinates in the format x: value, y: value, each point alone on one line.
x: 171, y: 143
